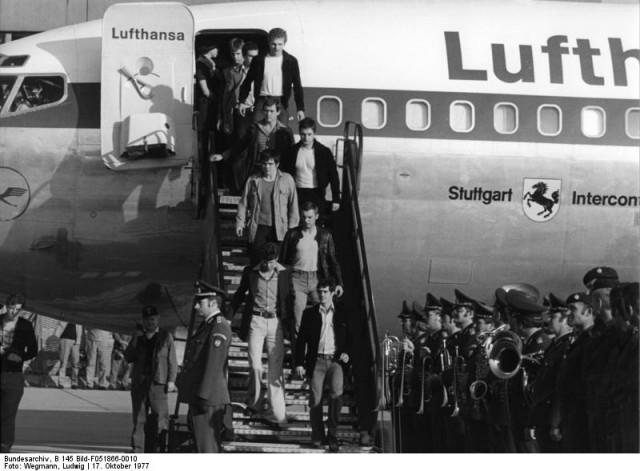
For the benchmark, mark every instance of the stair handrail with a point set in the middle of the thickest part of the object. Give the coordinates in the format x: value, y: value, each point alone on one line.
x: 351, y: 174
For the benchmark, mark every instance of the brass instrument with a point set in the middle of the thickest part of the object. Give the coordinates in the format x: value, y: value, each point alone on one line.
x: 478, y: 390
x: 529, y: 361
x: 504, y: 351
x: 391, y: 348
x: 407, y: 358
x: 445, y: 364
x: 427, y: 365
x: 458, y: 364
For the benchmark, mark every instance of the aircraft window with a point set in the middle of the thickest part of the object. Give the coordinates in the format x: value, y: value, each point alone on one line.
x: 418, y: 115
x: 38, y: 91
x: 329, y: 111
x: 461, y: 117
x: 13, y: 61
x: 374, y: 113
x: 593, y: 121
x: 6, y: 83
x: 549, y: 120
x: 633, y: 123
x: 505, y: 118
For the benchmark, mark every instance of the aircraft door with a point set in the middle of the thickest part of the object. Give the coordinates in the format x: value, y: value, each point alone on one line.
x: 147, y: 86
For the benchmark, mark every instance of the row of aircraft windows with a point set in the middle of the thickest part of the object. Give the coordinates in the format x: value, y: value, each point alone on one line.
x: 45, y: 90
x: 593, y: 119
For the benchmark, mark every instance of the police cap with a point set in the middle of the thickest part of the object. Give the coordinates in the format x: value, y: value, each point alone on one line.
x: 447, y: 306
x: 418, y: 312
x: 521, y: 305
x: 432, y: 303
x: 406, y: 312
x: 531, y: 291
x: 581, y: 297
x: 462, y: 300
x: 556, y: 304
x: 483, y: 311
x: 604, y: 283
x: 204, y: 289
x: 599, y: 272
x: 149, y: 311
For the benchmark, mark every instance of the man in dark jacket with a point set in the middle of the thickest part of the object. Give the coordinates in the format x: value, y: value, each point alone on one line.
x: 321, y: 351
x: 313, y: 168
x: 153, y: 355
x: 203, y: 380
x: 274, y: 75
x: 310, y: 251
x: 17, y: 345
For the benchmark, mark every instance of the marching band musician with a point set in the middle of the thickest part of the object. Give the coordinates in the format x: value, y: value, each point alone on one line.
x: 606, y: 335
x: 544, y: 415
x: 454, y: 426
x: 571, y: 386
x: 468, y: 313
x: 527, y: 320
x: 401, y: 380
x: 432, y: 382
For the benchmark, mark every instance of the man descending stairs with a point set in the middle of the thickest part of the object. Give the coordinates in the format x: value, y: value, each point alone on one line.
x: 251, y: 432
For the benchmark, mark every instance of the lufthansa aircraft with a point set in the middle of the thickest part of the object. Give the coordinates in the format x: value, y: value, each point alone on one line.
x: 501, y: 145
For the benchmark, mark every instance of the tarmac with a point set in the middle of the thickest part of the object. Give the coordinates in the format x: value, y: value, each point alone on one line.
x: 52, y: 420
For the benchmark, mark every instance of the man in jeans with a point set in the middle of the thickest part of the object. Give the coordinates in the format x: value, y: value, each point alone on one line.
x: 267, y: 285
x: 310, y: 251
x: 321, y: 351
x: 70, y: 337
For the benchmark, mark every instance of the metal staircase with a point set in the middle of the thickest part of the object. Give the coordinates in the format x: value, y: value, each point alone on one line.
x: 224, y: 257
x: 254, y: 435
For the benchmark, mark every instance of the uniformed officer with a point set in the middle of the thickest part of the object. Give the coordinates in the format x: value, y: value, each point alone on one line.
x: 433, y: 388
x: 454, y: 426
x: 428, y: 322
x: 407, y: 320
x: 571, y: 387
x: 545, y: 406
x: 203, y: 382
x: 606, y: 334
x: 527, y: 321
x: 597, y: 273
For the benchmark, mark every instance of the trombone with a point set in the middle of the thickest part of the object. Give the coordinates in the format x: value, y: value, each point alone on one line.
x: 427, y: 366
x: 407, y: 359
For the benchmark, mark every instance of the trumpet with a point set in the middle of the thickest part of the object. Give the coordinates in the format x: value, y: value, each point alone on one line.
x: 458, y: 364
x: 425, y: 354
x: 391, y: 348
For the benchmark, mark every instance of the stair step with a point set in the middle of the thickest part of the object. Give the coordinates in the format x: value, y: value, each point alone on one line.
x: 290, y: 431
x: 248, y: 447
x: 229, y: 200
x: 345, y: 419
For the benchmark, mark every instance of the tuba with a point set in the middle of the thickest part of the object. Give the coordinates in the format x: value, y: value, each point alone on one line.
x: 504, y: 351
x: 391, y: 349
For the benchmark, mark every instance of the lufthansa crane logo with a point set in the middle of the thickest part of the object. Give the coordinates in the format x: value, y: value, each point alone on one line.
x: 541, y: 198
x: 15, y: 194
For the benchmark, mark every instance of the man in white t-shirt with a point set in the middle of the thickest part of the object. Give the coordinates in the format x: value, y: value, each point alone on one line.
x: 274, y: 74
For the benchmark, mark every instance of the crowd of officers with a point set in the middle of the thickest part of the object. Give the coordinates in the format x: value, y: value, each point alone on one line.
x: 526, y: 375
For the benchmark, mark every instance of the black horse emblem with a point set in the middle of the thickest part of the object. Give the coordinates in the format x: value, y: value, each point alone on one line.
x: 12, y: 192
x: 538, y: 197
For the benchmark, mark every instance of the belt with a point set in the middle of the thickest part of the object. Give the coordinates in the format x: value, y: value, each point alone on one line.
x: 271, y: 96
x: 326, y: 356
x: 297, y: 270
x: 266, y: 314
